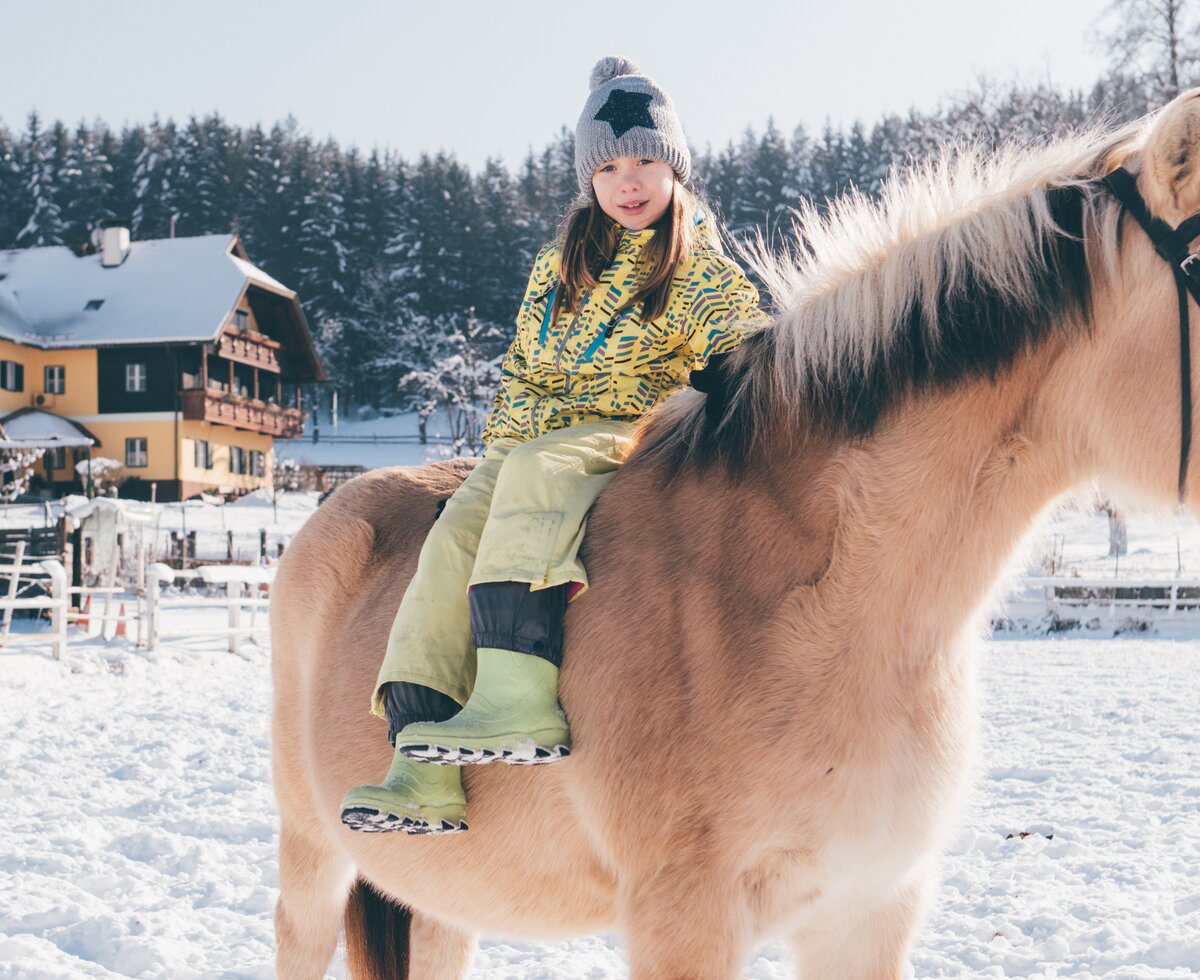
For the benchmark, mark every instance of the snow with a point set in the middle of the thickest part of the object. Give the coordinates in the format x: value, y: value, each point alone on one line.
x: 37, y: 427
x: 170, y: 289
x: 140, y: 831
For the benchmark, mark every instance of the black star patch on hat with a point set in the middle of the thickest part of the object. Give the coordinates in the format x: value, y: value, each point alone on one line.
x: 624, y: 111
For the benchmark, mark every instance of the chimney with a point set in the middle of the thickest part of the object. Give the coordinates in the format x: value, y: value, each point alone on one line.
x: 114, y: 243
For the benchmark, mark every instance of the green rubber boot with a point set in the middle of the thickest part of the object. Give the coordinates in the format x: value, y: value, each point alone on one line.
x: 414, y: 798
x: 512, y: 716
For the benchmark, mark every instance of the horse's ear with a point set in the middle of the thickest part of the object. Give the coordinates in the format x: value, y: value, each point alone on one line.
x: 1171, y: 168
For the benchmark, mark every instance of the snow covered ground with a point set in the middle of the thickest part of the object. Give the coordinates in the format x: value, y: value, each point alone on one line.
x: 139, y: 829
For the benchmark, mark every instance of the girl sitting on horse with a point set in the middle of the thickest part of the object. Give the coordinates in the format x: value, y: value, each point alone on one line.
x: 633, y: 295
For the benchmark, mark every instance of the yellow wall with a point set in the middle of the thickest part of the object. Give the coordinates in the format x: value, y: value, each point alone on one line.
x: 10, y: 401
x: 81, y: 398
x: 160, y: 446
x: 220, y: 438
x: 81, y: 376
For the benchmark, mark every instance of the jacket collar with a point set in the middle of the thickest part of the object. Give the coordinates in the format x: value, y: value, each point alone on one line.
x: 630, y: 242
x: 631, y: 239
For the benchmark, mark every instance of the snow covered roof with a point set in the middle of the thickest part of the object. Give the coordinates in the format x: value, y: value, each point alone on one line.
x: 33, y: 427
x: 166, y: 290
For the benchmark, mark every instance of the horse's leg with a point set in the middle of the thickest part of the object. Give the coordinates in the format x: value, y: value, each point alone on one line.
x: 686, y: 922
x: 438, y: 951
x: 863, y: 942
x: 313, y: 884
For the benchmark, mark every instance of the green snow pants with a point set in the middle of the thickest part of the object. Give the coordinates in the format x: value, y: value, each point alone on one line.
x: 519, y: 516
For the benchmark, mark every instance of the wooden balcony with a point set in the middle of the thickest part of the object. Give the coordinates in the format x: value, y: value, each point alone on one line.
x: 250, y: 348
x: 242, y: 413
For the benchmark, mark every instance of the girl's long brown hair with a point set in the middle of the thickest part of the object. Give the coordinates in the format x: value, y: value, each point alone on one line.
x: 588, y: 245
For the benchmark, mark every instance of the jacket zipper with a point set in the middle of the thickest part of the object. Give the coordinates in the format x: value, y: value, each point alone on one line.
x: 595, y: 344
x: 569, y: 332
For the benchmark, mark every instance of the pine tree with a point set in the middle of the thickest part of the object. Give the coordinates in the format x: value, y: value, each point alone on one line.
x: 503, y: 244
x: 320, y: 221
x: 538, y: 224
x: 10, y: 189
x: 43, y: 220
x: 770, y: 186
x: 721, y: 175
x: 158, y: 187
x: 123, y: 155
x: 210, y: 166
x: 256, y: 196
x: 89, y: 186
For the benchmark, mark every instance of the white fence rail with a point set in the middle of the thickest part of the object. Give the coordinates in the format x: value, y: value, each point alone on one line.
x: 1170, y: 596
x: 242, y: 601
x: 55, y: 600
x: 245, y: 601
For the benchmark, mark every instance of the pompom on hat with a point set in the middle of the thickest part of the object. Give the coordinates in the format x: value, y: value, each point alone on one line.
x: 627, y: 115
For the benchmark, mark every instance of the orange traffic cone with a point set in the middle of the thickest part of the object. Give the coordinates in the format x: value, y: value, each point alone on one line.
x: 84, y: 622
x: 120, y: 621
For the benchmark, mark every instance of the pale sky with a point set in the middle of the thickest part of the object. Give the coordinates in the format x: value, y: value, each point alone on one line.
x: 494, y: 78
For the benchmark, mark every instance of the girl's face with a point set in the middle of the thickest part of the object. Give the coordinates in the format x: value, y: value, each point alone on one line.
x: 633, y: 192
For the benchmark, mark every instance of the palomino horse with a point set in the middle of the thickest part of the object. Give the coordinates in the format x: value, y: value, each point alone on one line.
x: 770, y: 681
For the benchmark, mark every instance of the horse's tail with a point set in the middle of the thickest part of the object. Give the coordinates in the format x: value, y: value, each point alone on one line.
x: 377, y: 931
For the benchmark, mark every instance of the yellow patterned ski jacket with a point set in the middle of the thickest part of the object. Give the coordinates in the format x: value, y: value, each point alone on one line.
x: 603, y: 362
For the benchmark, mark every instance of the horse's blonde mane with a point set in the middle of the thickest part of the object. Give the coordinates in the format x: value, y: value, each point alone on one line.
x: 962, y: 262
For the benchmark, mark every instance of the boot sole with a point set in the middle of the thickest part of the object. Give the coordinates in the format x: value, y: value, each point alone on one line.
x: 371, y: 821
x: 465, y: 755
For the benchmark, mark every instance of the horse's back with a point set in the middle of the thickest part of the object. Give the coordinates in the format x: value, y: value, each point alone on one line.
x: 334, y: 599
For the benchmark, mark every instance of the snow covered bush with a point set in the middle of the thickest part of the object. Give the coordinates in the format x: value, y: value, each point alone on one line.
x: 461, y: 381
x: 107, y: 474
x: 16, y: 468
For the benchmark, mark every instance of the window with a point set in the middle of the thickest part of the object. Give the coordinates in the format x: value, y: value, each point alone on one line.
x: 203, y: 454
x: 135, y: 377
x: 55, y: 379
x: 237, y: 459
x: 12, y: 376
x: 135, y: 452
x: 56, y: 458
x: 94, y: 304
x: 241, y: 319
x: 258, y: 463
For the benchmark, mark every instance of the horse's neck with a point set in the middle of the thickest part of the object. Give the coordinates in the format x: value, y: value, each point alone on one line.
x: 932, y: 508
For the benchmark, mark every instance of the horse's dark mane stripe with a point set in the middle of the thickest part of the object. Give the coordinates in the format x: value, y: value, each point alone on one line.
x: 975, y: 329
x: 963, y: 318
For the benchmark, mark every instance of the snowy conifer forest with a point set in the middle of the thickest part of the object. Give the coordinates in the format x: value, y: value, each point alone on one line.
x: 402, y: 263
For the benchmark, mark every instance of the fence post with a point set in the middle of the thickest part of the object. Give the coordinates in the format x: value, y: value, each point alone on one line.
x: 13, y: 585
x: 153, y: 593
x: 60, y: 599
x: 234, y: 591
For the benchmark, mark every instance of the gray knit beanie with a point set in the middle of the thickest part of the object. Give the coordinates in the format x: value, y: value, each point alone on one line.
x: 627, y: 115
